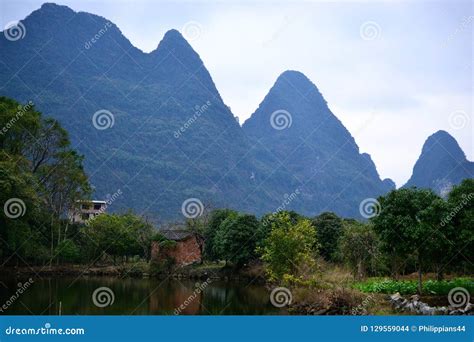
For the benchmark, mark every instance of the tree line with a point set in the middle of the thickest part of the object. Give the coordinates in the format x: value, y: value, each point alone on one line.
x: 42, y: 179
x: 415, y: 230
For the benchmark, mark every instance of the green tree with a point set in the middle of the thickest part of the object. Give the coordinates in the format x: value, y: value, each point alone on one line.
x: 141, y: 232
x: 51, y: 170
x: 118, y: 236
x: 19, y: 125
x: 359, y: 247
x: 407, y: 227
x: 329, y: 228
x: 440, y: 245
x: 216, y: 218
x: 289, y: 247
x: 235, y: 241
x: 22, y: 219
x: 273, y: 219
x: 461, y: 217
x: 68, y: 251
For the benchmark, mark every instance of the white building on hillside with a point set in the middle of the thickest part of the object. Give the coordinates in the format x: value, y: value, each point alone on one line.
x: 86, y: 210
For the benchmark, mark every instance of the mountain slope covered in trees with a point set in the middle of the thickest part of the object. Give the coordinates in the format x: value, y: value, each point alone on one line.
x: 441, y: 165
x: 296, y: 125
x: 165, y: 134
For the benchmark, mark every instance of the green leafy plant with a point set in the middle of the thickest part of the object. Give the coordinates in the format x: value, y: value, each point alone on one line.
x: 435, y: 287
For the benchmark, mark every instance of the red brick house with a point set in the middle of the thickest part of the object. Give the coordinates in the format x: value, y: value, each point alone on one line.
x: 188, y: 248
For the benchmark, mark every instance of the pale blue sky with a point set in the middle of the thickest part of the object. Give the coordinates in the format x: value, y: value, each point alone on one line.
x: 391, y: 92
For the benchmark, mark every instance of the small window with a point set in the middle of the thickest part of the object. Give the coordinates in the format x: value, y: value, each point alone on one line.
x: 85, y: 207
x: 85, y: 216
x: 97, y: 206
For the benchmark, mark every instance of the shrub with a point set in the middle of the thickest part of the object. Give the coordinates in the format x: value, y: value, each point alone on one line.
x: 67, y: 251
x: 162, y: 266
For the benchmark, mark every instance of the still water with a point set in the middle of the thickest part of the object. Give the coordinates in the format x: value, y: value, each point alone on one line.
x: 130, y: 296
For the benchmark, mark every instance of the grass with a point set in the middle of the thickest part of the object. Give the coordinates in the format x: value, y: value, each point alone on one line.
x: 384, y: 285
x: 209, y: 266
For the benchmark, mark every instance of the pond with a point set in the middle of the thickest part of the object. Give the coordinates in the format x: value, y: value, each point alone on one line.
x: 131, y: 296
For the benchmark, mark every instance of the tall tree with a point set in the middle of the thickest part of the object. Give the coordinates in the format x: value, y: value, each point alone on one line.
x: 359, y: 247
x: 329, y: 228
x: 406, y: 226
x: 216, y: 218
x: 41, y: 152
x: 289, y: 247
x: 461, y: 216
x: 236, y: 239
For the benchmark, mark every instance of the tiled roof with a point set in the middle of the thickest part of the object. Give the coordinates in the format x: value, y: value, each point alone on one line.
x: 176, y: 234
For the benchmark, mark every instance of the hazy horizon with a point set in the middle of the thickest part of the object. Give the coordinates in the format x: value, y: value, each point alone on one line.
x: 392, y: 72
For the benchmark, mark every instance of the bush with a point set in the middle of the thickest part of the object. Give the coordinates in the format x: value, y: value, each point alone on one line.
x: 135, y: 269
x: 68, y: 251
x: 162, y: 266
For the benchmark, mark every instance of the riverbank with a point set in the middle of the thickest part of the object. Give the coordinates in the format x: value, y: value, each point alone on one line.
x: 63, y: 270
x: 335, y: 293
x: 216, y: 271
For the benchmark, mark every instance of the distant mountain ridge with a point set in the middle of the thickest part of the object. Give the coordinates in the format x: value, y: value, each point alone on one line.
x: 441, y: 165
x: 151, y: 96
x: 173, y: 137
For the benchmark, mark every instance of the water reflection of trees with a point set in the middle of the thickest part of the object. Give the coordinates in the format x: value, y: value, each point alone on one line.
x: 137, y: 297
